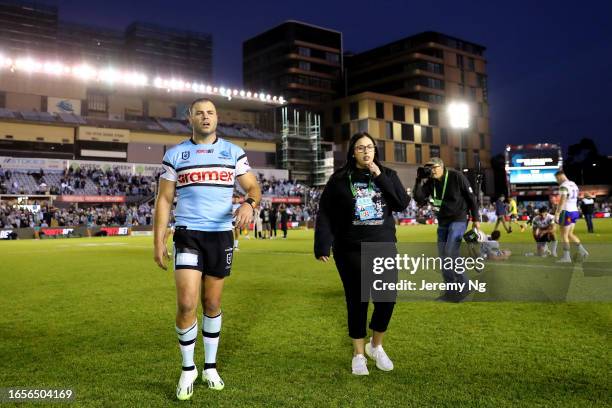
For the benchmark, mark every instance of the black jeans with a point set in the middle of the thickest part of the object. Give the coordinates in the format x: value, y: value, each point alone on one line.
x: 349, y: 268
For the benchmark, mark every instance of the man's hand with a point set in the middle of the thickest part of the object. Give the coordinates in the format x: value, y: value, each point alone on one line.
x: 374, y: 169
x: 244, y: 215
x: 323, y: 258
x: 161, y: 255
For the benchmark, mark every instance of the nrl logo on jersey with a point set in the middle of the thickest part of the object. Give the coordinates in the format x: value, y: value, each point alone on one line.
x: 185, y: 155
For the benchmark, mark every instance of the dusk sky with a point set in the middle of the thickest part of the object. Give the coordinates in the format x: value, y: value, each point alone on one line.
x: 549, y: 63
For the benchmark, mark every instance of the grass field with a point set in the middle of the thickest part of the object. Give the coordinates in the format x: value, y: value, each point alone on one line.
x: 97, y: 315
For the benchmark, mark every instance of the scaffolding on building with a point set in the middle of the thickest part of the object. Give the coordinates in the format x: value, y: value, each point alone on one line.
x: 308, y: 158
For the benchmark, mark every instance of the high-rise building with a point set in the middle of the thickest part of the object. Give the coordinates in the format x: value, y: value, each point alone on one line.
x: 300, y: 61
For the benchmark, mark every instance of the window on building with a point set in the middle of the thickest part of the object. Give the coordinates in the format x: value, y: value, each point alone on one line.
x: 354, y: 110
x: 303, y: 51
x: 444, y: 136
x: 389, y: 130
x: 482, y: 140
x: 418, y: 153
x: 470, y: 64
x: 460, y: 61
x: 407, y: 132
x: 346, y: 131
x: 362, y: 125
x: 460, y: 158
x: 380, y: 110
x: 434, y: 151
x: 380, y: 147
x: 399, y: 152
x: 433, y: 117
x: 332, y: 57
x: 426, y: 134
x: 417, y: 115
x: 97, y: 102
x: 399, y: 113
x: 305, y: 66
x: 336, y: 114
x: 472, y: 93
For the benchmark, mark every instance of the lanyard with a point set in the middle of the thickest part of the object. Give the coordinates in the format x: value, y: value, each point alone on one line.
x: 370, y: 187
x: 443, y: 189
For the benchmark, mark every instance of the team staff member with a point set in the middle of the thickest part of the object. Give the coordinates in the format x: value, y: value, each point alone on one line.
x: 202, y: 170
x: 453, y: 199
x: 587, y: 206
x: 356, y: 206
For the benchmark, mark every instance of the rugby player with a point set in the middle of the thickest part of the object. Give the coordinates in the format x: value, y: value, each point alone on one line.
x: 567, y: 214
x: 544, y: 232
x: 202, y: 171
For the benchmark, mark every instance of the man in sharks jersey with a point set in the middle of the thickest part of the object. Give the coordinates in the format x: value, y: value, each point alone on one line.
x: 202, y: 171
x: 567, y: 214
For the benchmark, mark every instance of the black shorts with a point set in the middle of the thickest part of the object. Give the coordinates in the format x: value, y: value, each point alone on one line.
x: 547, y: 237
x: 206, y: 251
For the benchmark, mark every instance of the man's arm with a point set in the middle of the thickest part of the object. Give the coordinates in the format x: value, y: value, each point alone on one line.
x: 562, y: 200
x: 244, y: 213
x: 470, y: 199
x: 163, y: 204
x: 422, y: 190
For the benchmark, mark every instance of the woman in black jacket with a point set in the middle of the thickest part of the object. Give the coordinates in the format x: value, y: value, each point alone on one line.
x: 356, y: 206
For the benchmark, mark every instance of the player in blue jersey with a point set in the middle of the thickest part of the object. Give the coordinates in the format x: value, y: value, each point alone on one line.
x: 202, y: 171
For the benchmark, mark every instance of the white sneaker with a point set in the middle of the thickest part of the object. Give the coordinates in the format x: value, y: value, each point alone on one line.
x: 383, y: 362
x: 212, y: 378
x: 565, y: 260
x: 360, y: 365
x: 184, y: 389
x: 583, y: 252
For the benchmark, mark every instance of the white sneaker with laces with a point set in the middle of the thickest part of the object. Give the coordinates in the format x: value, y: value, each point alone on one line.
x: 212, y: 378
x: 184, y: 389
x: 383, y: 362
x: 360, y: 365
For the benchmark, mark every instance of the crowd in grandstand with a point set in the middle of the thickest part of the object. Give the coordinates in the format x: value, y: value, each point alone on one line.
x: 91, y: 181
x: 14, y: 216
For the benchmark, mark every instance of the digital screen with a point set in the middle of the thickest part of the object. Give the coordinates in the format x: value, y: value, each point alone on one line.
x: 533, y: 166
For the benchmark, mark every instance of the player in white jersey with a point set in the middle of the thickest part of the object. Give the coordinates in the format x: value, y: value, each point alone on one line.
x: 544, y: 231
x: 202, y: 171
x: 567, y: 214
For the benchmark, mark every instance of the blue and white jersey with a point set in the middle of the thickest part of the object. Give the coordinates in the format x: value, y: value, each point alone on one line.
x: 570, y: 190
x: 205, y: 175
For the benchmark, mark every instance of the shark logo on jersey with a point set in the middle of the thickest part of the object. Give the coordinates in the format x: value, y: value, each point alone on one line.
x: 225, y: 154
x: 185, y: 155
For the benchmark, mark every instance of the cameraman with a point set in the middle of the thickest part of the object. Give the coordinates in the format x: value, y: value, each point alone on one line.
x: 452, y: 199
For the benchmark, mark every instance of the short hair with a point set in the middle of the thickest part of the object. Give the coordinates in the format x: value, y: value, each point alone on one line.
x: 560, y: 173
x: 495, y: 235
x: 198, y: 101
x: 544, y: 209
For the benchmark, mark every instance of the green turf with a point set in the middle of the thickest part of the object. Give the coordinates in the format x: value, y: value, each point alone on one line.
x: 97, y: 315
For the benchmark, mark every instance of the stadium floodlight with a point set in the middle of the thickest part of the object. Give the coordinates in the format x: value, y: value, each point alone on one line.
x: 53, y: 68
x: 459, y: 118
x: 84, y: 71
x: 111, y: 76
x: 459, y: 115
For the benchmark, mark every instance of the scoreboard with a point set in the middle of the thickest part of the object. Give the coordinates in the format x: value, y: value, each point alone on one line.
x: 533, y: 164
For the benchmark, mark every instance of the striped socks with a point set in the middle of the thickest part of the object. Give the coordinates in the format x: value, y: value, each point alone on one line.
x: 211, y: 328
x: 187, y: 338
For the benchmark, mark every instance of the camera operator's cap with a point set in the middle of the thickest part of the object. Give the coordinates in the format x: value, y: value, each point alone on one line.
x: 435, y: 161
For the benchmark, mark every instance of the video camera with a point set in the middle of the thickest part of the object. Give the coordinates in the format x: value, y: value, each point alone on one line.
x: 424, y: 172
